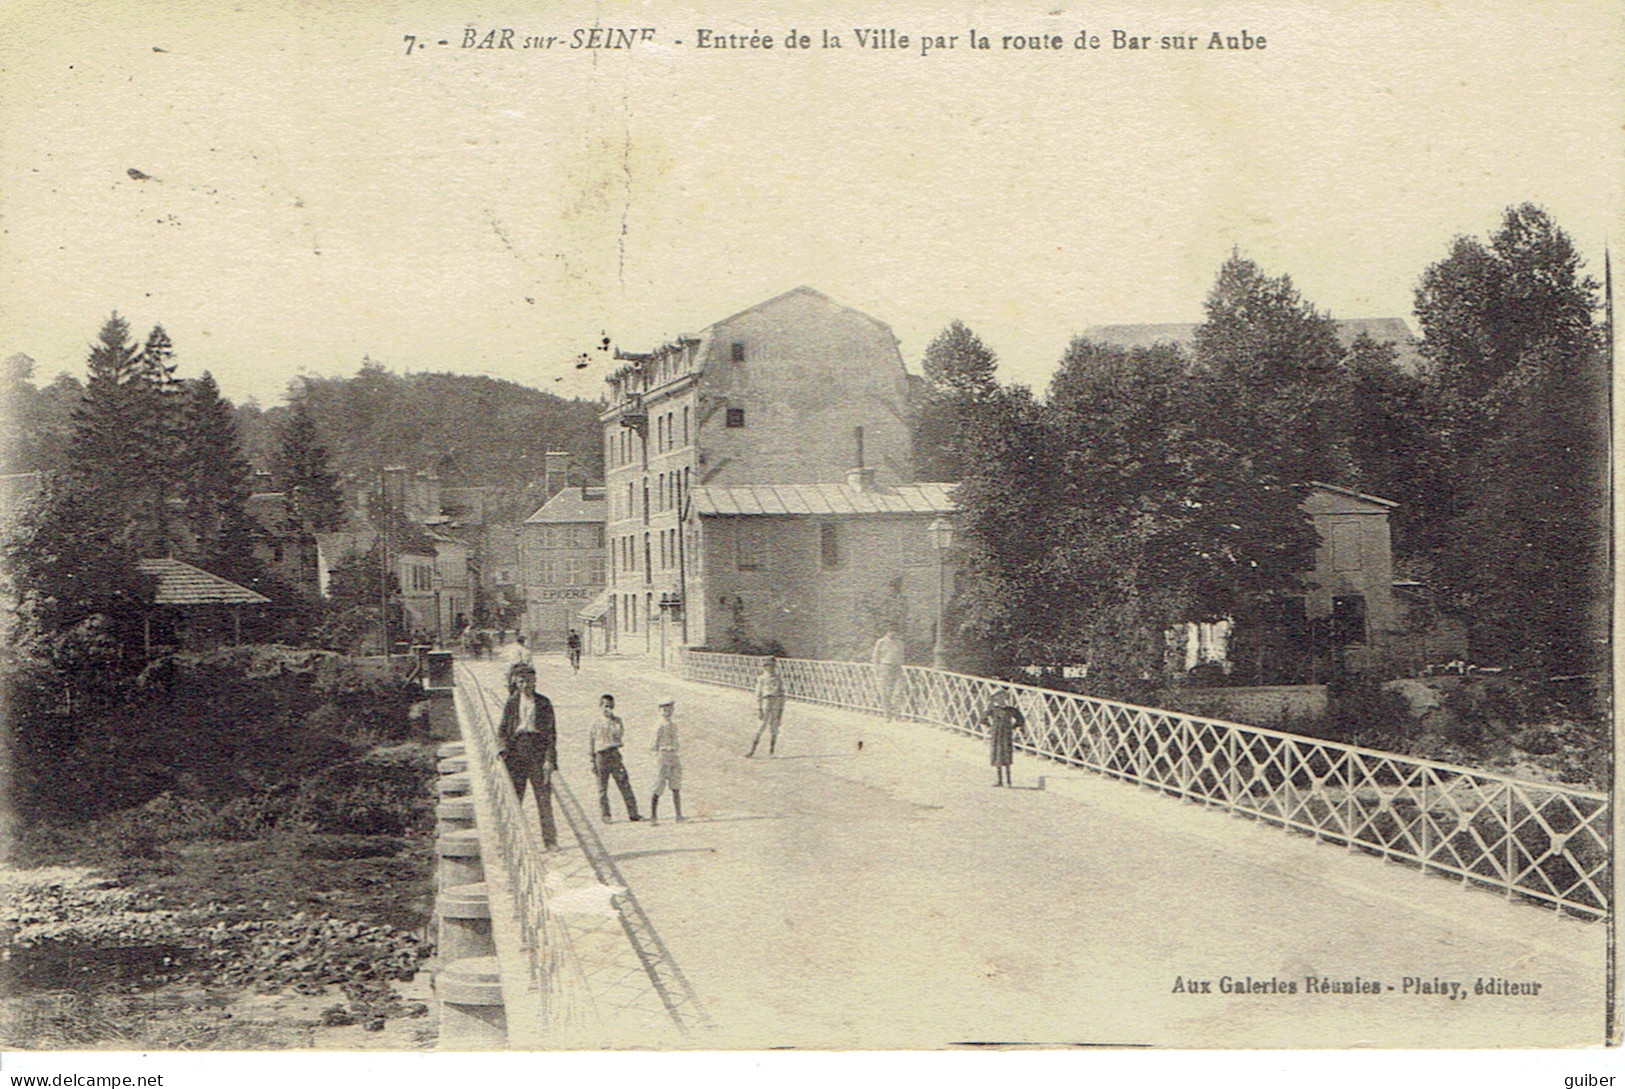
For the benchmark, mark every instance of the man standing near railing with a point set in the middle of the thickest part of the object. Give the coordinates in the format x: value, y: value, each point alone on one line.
x: 607, y: 736
x: 888, y: 663
x: 527, y: 742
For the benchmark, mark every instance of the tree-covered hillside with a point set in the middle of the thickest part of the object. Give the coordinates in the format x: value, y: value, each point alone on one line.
x: 469, y: 429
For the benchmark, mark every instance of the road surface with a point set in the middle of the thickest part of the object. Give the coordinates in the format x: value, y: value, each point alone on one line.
x: 868, y: 887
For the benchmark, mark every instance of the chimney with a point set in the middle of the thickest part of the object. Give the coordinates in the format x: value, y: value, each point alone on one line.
x: 555, y: 473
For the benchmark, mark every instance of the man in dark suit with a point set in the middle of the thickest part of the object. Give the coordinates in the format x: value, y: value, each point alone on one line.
x: 528, y: 742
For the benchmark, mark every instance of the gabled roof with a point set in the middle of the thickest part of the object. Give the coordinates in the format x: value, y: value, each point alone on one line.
x: 182, y: 584
x: 572, y: 505
x: 635, y: 360
x: 810, y: 292
x: 821, y: 499
x: 1350, y: 493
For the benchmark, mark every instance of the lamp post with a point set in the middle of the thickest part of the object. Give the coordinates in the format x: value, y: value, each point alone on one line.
x: 942, y: 539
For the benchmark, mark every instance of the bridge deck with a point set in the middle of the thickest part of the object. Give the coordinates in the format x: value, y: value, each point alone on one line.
x: 868, y: 887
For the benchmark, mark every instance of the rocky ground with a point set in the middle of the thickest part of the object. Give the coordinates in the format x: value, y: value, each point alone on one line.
x: 178, y: 926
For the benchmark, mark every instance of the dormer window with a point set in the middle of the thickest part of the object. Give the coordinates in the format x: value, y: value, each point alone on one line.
x: 736, y: 417
x: 738, y: 351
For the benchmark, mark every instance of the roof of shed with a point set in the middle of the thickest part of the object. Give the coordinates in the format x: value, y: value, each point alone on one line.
x: 182, y: 584
x: 822, y: 499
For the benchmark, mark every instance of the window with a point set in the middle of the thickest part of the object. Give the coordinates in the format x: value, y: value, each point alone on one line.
x: 751, y: 541
x: 645, y: 500
x: 1348, y: 620
x: 648, y: 557
x: 736, y: 417
x: 829, y: 544
x: 738, y: 352
x: 1345, y: 546
x: 422, y: 577
x: 572, y: 571
x: 595, y: 571
x: 685, y: 425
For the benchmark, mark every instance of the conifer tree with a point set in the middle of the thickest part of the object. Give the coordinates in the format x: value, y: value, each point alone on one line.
x: 302, y: 472
x: 212, y: 482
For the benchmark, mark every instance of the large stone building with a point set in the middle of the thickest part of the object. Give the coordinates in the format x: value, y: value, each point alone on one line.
x: 795, y: 390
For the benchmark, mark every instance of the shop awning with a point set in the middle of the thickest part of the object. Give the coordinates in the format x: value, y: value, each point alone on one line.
x: 596, y: 609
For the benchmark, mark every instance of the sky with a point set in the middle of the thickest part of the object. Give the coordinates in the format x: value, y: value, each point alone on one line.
x: 306, y: 194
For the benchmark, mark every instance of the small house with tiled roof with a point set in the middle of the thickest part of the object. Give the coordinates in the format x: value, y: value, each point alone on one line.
x: 820, y: 570
x: 193, y: 608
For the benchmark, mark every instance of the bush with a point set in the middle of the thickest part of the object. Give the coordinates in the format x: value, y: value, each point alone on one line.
x: 385, y: 792
x: 1360, y: 712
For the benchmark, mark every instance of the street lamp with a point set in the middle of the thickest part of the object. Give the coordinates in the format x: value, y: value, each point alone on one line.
x: 942, y: 539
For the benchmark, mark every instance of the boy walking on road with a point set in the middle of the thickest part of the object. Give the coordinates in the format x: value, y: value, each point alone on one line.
x: 769, y: 705
x: 669, y: 770
x: 607, y: 735
x: 887, y: 658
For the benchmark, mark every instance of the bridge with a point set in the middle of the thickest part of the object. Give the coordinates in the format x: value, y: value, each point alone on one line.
x: 1152, y: 879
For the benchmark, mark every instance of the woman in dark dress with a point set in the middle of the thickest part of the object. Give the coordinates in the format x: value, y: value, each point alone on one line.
x: 1001, y: 721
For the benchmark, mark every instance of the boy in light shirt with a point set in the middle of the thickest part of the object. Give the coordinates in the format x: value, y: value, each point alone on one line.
x: 669, y: 768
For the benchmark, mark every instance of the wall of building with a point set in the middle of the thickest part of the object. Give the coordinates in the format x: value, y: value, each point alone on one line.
x: 887, y: 573
x: 563, y: 570
x: 812, y: 371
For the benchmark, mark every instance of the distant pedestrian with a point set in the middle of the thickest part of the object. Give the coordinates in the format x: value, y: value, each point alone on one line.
x: 888, y: 662
x: 518, y: 659
x: 1002, y: 720
x: 527, y: 741
x: 607, y: 736
x: 669, y: 769
x: 572, y: 648
x: 769, y: 705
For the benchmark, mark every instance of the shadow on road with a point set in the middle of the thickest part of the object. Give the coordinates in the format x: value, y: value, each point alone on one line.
x: 668, y: 851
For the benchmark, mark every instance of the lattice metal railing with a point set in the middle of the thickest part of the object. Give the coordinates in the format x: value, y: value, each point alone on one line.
x: 555, y: 971
x: 1536, y: 840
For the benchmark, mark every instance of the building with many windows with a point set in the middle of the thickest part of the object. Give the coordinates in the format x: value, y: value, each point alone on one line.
x: 795, y: 390
x: 561, y: 560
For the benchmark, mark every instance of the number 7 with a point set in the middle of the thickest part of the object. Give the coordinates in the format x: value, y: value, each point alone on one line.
x: 411, y: 40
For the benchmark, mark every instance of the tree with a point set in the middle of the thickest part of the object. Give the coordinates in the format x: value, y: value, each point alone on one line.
x: 1484, y: 308
x: 1397, y: 446
x: 122, y: 447
x: 302, y: 472
x: 960, y: 385
x: 1161, y: 524
x: 1273, y: 368
x: 212, y: 483
x: 1524, y: 377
